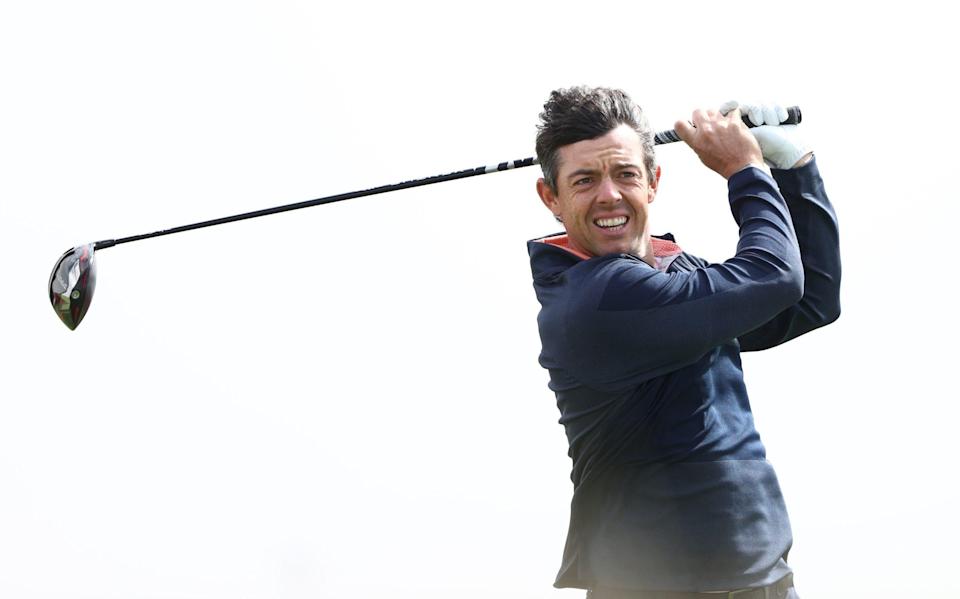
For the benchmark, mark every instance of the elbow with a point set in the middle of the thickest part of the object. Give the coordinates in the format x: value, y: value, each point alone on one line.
x: 822, y: 290
x: 831, y: 311
x: 825, y: 298
x: 820, y: 315
x: 819, y: 308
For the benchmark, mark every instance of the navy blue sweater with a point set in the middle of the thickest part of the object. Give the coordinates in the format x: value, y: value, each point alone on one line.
x: 672, y: 490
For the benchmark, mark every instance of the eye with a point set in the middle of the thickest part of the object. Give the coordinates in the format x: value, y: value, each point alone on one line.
x: 583, y: 181
x: 629, y: 174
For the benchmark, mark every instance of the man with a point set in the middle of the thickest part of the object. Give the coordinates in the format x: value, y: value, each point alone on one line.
x: 673, y: 496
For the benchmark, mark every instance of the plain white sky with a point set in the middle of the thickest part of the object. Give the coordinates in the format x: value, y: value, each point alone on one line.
x: 345, y: 401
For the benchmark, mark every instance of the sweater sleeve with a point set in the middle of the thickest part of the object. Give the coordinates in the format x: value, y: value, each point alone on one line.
x: 818, y: 235
x: 628, y: 322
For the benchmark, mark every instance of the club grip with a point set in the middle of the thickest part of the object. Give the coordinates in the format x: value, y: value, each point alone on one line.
x: 793, y: 117
x: 670, y: 136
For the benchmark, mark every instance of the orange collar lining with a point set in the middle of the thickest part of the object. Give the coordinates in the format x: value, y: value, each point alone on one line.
x: 662, y: 248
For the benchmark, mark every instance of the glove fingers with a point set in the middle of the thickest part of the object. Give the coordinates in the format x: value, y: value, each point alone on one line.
x: 728, y: 106
x: 781, y: 113
x: 756, y: 115
x: 770, y: 115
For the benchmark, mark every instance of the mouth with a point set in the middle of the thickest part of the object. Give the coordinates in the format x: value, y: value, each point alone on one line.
x: 612, y: 224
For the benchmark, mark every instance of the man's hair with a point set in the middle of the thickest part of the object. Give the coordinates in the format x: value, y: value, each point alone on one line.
x: 581, y: 113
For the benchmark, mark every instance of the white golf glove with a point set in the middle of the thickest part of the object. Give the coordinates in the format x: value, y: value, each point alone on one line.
x: 781, y: 145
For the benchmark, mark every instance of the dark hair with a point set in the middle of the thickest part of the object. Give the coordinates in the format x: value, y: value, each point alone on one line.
x: 581, y: 113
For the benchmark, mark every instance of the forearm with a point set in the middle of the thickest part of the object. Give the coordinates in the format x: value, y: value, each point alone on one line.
x: 815, y: 223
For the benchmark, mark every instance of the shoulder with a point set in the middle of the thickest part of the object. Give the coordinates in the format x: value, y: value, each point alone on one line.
x: 613, y: 282
x: 687, y: 262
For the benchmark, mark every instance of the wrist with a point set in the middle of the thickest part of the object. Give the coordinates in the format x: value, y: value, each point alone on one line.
x: 759, y: 165
x: 803, y: 160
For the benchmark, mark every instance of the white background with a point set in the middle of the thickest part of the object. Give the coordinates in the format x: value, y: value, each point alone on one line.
x: 345, y: 401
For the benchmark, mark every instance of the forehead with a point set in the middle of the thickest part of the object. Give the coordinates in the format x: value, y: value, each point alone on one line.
x: 618, y: 145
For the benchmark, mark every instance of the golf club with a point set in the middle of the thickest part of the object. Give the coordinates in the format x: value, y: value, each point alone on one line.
x: 74, y: 277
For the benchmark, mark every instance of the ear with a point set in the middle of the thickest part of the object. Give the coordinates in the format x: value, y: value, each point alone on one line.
x: 547, y: 196
x: 653, y: 186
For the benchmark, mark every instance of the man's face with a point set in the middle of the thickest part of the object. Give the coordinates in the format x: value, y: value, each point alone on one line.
x: 603, y: 194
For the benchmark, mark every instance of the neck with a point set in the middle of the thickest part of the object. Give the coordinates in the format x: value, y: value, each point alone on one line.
x: 646, y: 250
x: 643, y: 250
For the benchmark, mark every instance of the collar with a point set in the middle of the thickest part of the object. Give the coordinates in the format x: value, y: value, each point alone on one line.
x: 664, y: 247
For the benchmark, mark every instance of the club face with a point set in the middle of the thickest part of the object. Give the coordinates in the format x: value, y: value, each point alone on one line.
x: 72, y: 283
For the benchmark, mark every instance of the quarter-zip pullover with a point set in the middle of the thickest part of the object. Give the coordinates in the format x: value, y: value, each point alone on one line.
x: 672, y: 490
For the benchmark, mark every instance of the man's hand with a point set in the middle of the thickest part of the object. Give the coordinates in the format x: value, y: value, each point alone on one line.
x: 722, y: 142
x: 781, y: 145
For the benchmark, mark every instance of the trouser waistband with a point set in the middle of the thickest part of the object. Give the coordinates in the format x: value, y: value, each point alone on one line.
x: 777, y: 590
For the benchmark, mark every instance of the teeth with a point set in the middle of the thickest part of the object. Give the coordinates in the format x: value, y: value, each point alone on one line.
x: 611, y: 222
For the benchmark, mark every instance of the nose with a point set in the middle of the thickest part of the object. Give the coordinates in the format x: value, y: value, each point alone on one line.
x: 608, y: 192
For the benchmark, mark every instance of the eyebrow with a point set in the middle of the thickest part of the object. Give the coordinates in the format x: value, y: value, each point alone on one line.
x: 582, y: 171
x: 593, y: 171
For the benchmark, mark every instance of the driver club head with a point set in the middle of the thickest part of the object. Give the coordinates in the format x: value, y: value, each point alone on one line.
x: 72, y: 283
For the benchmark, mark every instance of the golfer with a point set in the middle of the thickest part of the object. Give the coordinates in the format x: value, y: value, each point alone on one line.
x: 673, y: 496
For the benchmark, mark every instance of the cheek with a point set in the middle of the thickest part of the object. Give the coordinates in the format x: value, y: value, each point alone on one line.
x: 576, y: 207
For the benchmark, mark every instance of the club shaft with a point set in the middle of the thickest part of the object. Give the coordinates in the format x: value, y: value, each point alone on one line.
x: 470, y: 172
x: 663, y: 137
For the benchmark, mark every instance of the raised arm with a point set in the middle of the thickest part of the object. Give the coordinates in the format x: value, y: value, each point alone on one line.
x: 815, y: 222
